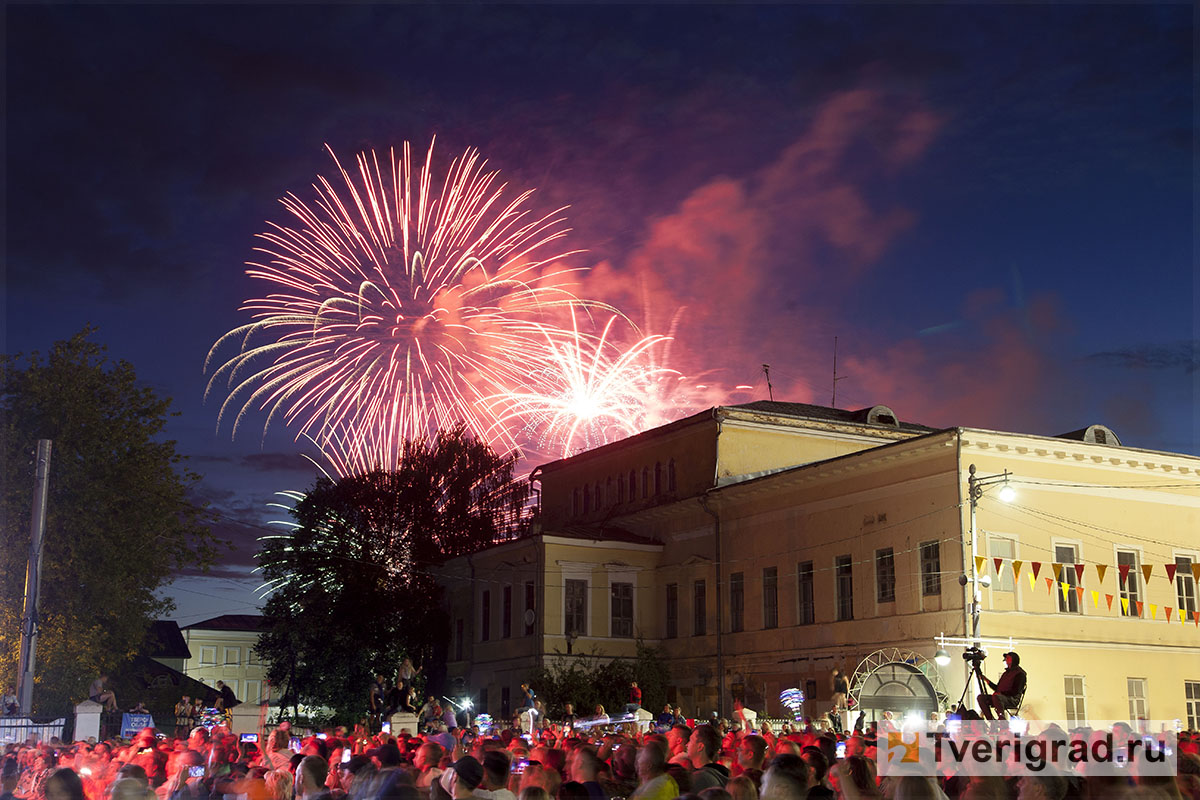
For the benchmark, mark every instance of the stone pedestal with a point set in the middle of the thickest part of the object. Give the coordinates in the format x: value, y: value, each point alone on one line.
x: 87, y: 721
x: 403, y: 721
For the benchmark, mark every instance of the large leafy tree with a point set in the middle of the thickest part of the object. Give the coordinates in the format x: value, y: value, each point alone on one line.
x: 351, y: 589
x: 118, y: 519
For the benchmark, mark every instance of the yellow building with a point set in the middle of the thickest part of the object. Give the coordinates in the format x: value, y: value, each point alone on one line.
x: 762, y: 545
x: 222, y: 649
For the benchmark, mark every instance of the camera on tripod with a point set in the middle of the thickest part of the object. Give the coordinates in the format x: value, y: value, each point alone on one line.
x: 974, y: 656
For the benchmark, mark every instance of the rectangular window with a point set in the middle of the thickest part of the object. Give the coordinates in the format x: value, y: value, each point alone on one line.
x: 1131, y: 589
x: 1066, y: 554
x: 208, y: 656
x: 672, y: 610
x: 233, y: 656
x: 530, y: 607
x: 506, y: 613
x: 931, y: 569
x: 737, y: 601
x: 999, y: 547
x: 253, y: 692
x: 699, y: 609
x: 1185, y: 585
x: 458, y: 639
x: 810, y: 691
x: 1191, y: 694
x: 770, y: 597
x: 1076, y: 704
x: 576, y: 610
x: 885, y: 575
x: 844, y: 572
x: 622, y: 609
x: 804, y: 591
x: 486, y: 613
x: 1137, y: 699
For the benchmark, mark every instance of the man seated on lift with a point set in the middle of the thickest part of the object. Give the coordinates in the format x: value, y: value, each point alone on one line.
x: 1007, y: 691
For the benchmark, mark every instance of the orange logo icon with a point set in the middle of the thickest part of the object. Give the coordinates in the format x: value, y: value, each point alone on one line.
x: 911, y: 753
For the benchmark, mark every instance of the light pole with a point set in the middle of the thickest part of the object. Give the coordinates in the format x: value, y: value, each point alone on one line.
x: 975, y: 487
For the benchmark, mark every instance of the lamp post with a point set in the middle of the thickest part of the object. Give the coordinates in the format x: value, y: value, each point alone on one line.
x: 975, y: 487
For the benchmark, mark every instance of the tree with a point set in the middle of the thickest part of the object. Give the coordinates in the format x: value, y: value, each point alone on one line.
x: 352, y: 591
x: 118, y: 520
x: 589, y: 680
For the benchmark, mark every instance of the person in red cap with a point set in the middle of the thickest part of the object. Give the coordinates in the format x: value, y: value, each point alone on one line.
x: 1007, y: 691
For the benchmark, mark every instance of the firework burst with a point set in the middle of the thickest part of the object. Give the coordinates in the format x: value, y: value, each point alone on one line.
x: 394, y: 306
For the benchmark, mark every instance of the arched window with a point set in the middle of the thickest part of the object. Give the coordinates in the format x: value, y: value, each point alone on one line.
x: 671, y: 475
x: 632, y: 486
x: 645, y: 482
x: 657, y: 477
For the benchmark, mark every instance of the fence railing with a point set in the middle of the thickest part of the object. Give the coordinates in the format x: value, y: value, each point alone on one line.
x: 42, y: 728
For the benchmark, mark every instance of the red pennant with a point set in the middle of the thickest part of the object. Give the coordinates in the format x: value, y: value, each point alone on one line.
x: 1109, y: 598
x: 1079, y: 572
x: 1171, y: 572
x: 999, y: 562
x: 1196, y: 618
x: 1169, y: 610
x: 1037, y: 565
x: 1124, y: 569
x: 1140, y: 606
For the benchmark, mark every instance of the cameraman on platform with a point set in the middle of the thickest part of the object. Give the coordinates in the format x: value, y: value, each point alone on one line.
x: 1007, y: 691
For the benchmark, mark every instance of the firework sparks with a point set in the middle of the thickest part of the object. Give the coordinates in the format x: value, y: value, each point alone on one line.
x: 395, y: 306
x: 590, y: 391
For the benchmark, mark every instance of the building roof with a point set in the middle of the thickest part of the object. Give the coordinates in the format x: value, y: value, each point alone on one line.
x: 825, y: 414
x: 164, y: 640
x: 229, y: 622
x: 603, y: 533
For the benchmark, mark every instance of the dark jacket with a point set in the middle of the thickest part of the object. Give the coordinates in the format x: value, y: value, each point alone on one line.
x: 1012, y: 682
x: 709, y: 775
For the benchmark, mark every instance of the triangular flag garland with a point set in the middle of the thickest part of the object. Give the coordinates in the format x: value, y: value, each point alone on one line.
x: 1146, y: 570
x: 1196, y: 571
x: 1017, y: 570
x: 1078, y: 572
x: 1153, y: 610
x: 1124, y: 606
x: 1095, y: 599
x: 1037, y: 567
x: 1063, y: 587
x: 1079, y: 594
x: 1100, y: 570
x: 1057, y: 571
x: 1032, y: 581
x: 1168, y: 611
x: 998, y: 562
x: 979, y: 562
x: 1170, y: 572
x: 1109, y: 598
x: 1124, y: 570
x: 1141, y: 608
x: 1049, y: 584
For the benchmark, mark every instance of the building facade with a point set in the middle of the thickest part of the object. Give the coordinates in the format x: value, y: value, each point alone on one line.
x: 761, y: 546
x: 222, y: 648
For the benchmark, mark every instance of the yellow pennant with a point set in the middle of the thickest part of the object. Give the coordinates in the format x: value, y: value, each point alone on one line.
x: 1057, y: 571
x: 1032, y: 581
x: 1095, y: 599
x: 1017, y: 570
x: 1182, y: 616
x: 1063, y: 588
x: 1125, y: 605
x: 979, y: 560
x: 1153, y: 610
x: 1100, y: 570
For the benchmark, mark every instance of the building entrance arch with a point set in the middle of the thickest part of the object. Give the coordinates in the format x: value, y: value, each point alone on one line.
x: 899, y: 681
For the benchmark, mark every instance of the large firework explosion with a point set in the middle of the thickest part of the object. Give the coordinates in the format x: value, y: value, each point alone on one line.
x: 398, y: 305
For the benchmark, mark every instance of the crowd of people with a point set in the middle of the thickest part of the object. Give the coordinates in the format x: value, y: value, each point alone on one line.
x: 717, y: 760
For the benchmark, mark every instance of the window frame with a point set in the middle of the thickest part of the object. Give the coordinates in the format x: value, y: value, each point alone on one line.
x: 885, y: 575
x: 931, y: 568
x: 1133, y: 591
x: 843, y: 573
x: 485, y: 615
x: 613, y: 615
x: 1135, y: 700
x: 1076, y: 712
x: 806, y: 603
x: 770, y: 597
x: 699, y: 607
x: 1072, y: 604
x: 737, y: 602
x: 578, y: 583
x: 1185, y: 598
x: 1005, y: 581
x: 506, y: 611
x: 237, y: 657
x: 672, y: 611
x: 212, y: 660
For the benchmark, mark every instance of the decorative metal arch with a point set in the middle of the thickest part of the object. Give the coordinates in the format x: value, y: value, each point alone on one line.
x: 913, y: 677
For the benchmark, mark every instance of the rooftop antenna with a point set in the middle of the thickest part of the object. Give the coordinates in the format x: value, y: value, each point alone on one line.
x: 770, y: 390
x: 836, y: 377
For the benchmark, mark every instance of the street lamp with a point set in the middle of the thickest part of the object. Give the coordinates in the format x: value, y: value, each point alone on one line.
x: 975, y: 489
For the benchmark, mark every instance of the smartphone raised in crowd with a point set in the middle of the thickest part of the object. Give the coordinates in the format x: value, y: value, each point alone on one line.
x: 346, y: 754
x: 196, y: 772
x: 248, y: 737
x: 840, y: 749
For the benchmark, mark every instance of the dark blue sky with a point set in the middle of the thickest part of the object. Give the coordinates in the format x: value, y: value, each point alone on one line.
x: 991, y: 207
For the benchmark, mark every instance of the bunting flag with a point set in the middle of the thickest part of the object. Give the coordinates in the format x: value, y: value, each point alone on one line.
x: 1124, y: 570
x: 1168, y: 611
x: 1182, y: 616
x: 1100, y: 570
x: 1141, y: 608
x: 1196, y: 571
x: 1057, y: 571
x: 1153, y: 610
x: 1078, y: 573
x: 998, y: 562
x: 1032, y: 581
x: 1109, y: 598
x: 1196, y: 617
x: 1170, y: 572
x: 1079, y: 595
x: 1037, y: 566
x: 1017, y: 570
x: 1049, y: 584
x: 1095, y: 599
x: 979, y: 561
x: 1063, y: 588
x: 1124, y: 605
x: 1146, y: 570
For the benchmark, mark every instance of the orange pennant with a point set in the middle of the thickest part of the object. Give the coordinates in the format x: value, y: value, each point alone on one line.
x: 1079, y: 595
x: 1109, y: 598
x: 1141, y: 608
x: 1100, y: 570
x: 1057, y: 571
x: 1168, y: 609
x: 1049, y: 584
x: 1146, y: 570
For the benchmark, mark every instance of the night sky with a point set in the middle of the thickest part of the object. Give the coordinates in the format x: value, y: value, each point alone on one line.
x: 990, y: 207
